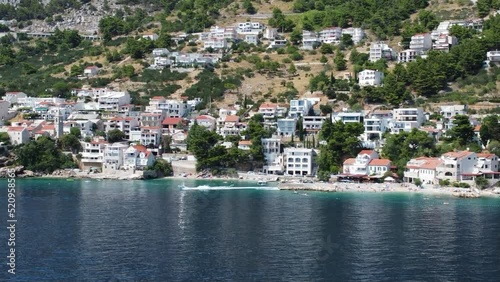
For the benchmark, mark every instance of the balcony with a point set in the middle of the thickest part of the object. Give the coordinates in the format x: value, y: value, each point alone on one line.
x: 411, y: 174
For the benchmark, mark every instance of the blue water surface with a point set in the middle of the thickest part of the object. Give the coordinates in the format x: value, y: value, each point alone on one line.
x: 107, y: 230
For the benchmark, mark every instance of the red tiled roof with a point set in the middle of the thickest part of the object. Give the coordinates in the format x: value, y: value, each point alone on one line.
x: 48, y: 127
x: 380, y: 162
x: 350, y: 161
x: 485, y: 155
x: 205, y: 117
x: 14, y: 93
x: 367, y: 152
x: 121, y: 118
x: 16, y: 128
x: 427, y: 163
x: 171, y: 121
x: 232, y: 118
x: 268, y: 106
x: 477, y: 128
x: 458, y: 155
x: 245, y: 142
x: 158, y: 98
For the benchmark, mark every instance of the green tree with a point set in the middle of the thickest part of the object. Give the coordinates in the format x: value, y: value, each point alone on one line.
x: 462, y: 131
x: 340, y: 62
x: 43, y: 155
x: 163, y: 167
x: 481, y: 182
x: 490, y: 129
x: 76, y: 132
x: 323, y: 59
x: 200, y: 140
x: 402, y: 147
x: 341, y: 141
x: 326, y: 49
x: 326, y: 109
x: 115, y: 135
x: 71, y: 143
x: 249, y: 8
x: 4, y: 138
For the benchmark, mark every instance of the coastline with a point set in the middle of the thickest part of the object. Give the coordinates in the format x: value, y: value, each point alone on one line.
x: 288, y: 184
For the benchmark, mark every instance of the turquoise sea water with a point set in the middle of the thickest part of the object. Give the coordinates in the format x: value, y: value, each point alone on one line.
x: 107, y: 230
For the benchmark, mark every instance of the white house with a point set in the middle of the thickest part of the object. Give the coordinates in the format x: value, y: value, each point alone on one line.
x: 249, y: 27
x: 160, y: 52
x: 421, y: 42
x: 375, y: 127
x: 444, y: 42
x: 379, y: 167
x: 380, y: 50
x: 113, y: 156
x: 299, y: 108
x: 370, y: 78
x: 409, y: 55
x: 454, y: 164
x: 330, y: 35
x: 422, y: 168
x: 313, y: 123
x: 124, y: 124
x: 18, y: 135
x: 272, y: 153
x: 347, y: 117
x: 357, y: 34
x: 252, y: 38
x: 299, y: 161
x: 207, y: 121
x: 310, y: 40
x: 138, y: 157
x: 359, y: 165
x: 244, y: 145
x: 12, y: 97
x: 93, y: 153
x: 453, y: 110
x: 91, y: 71
x: 277, y: 43
x: 405, y: 119
x: 286, y: 127
x: 112, y: 100
x: 215, y: 43
x: 150, y: 135
x: 270, y: 33
x: 271, y: 110
x: 150, y: 35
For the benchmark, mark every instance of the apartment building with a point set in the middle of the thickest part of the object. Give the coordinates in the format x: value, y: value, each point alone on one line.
x: 421, y: 42
x: 370, y: 78
x: 299, y: 161
x: 381, y: 50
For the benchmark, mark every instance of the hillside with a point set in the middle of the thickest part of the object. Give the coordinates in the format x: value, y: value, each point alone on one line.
x: 44, y: 67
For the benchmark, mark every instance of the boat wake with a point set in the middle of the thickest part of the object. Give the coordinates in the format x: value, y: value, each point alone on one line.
x: 207, y: 188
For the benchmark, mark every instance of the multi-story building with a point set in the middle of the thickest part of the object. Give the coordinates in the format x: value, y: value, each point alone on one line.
x: 286, y: 127
x: 12, y: 97
x: 330, y: 35
x: 347, y: 117
x: 444, y: 27
x: 298, y: 161
x: 93, y: 153
x: 207, y: 121
x: 375, y: 127
x: 151, y: 119
x: 252, y: 38
x: 452, y: 110
x: 124, y: 124
x: 422, y: 168
x: 270, y: 33
x: 313, y: 123
x: 409, y: 55
x: 249, y: 27
x: 404, y: 119
x: 310, y: 40
x: 113, y: 156
x: 18, y: 135
x: 215, y: 43
x: 138, y: 157
x: 112, y: 100
x: 299, y: 108
x: 421, y: 42
x: 380, y: 50
x: 357, y: 34
x: 272, y: 153
x: 444, y: 42
x: 271, y: 110
x: 150, y: 135
x: 370, y: 78
x: 454, y: 164
x: 359, y: 165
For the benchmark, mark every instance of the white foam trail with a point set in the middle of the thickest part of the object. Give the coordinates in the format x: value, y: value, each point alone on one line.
x: 205, y: 188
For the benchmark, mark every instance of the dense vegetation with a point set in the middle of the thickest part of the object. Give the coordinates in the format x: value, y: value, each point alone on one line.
x: 43, y: 155
x: 384, y: 17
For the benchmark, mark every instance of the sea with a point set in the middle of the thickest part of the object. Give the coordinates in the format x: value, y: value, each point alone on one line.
x: 109, y: 230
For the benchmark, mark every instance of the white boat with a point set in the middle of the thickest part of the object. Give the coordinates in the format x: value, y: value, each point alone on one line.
x: 262, y: 182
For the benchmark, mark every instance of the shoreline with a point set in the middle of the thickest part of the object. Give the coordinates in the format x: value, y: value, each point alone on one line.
x: 292, y: 184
